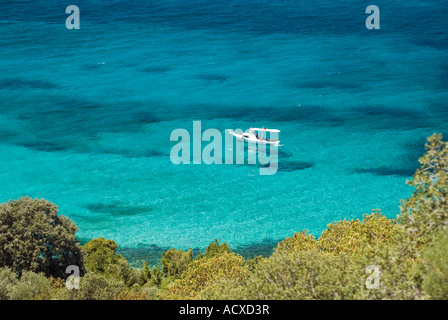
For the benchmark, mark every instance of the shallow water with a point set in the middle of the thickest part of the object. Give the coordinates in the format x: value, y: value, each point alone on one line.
x: 86, y: 115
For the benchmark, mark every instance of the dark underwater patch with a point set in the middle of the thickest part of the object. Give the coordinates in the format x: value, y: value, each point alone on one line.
x: 83, y: 118
x: 155, y: 69
x: 117, y: 209
x: 443, y: 77
x: 264, y: 248
x: 384, y: 111
x: 309, y: 114
x: 414, y: 150
x: 6, y: 134
x: 144, y: 117
x: 390, y: 117
x: 16, y: 83
x: 385, y: 171
x: 151, y: 253
x: 290, y: 166
x: 136, y: 153
x: 284, y: 153
x: 334, y: 84
x: 154, y: 153
x: 281, y: 154
x: 44, y: 146
x: 440, y: 108
x: 93, y: 66
x: 214, y: 77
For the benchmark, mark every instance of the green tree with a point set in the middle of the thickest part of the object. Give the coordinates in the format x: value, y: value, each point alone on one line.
x: 31, y: 286
x: 252, y: 263
x: 435, y: 282
x: 357, y: 237
x: 174, y: 262
x: 302, y: 274
x: 94, y: 286
x: 34, y: 237
x: 101, y: 258
x: 100, y: 255
x: 206, y: 273
x: 298, y: 242
x: 151, y: 277
x: 8, y: 280
x: 400, y: 274
x: 426, y: 212
x: 216, y: 248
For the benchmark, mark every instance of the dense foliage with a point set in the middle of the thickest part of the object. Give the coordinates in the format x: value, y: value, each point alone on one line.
x: 34, y: 237
x: 371, y: 258
x: 435, y: 281
x: 426, y: 212
x: 206, y: 273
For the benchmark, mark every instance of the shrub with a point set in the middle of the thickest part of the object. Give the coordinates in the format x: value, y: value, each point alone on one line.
x: 8, y: 280
x: 174, y: 262
x: 307, y: 274
x: 298, y: 242
x: 435, y: 282
x: 357, y: 237
x: 206, y: 273
x: 33, y: 237
x: 252, y: 263
x: 216, y: 248
x: 399, y: 273
x: 31, y: 286
x: 101, y: 257
x: 151, y: 276
x: 136, y: 293
x: 94, y: 286
x: 425, y: 213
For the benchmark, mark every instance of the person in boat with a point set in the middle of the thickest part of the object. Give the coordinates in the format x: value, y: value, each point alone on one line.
x: 254, y: 133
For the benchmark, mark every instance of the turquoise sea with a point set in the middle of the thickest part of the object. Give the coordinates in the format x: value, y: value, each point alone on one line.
x: 86, y: 115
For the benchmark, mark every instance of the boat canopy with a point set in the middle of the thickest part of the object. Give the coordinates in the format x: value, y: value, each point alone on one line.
x: 264, y: 129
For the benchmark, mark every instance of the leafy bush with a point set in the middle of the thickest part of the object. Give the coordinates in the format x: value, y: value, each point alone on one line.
x: 33, y: 237
x: 252, y: 263
x: 136, y: 293
x: 216, y: 248
x: 95, y: 286
x: 357, y: 237
x: 31, y: 286
x: 8, y: 280
x: 298, y: 242
x: 101, y: 257
x: 435, y: 282
x: 151, y: 276
x: 302, y: 274
x: 206, y: 273
x: 400, y: 274
x: 426, y: 212
x: 174, y: 262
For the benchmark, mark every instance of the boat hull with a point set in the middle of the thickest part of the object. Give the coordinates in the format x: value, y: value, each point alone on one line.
x: 253, y: 139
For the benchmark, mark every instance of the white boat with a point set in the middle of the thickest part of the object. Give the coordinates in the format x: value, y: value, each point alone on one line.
x: 253, y: 137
